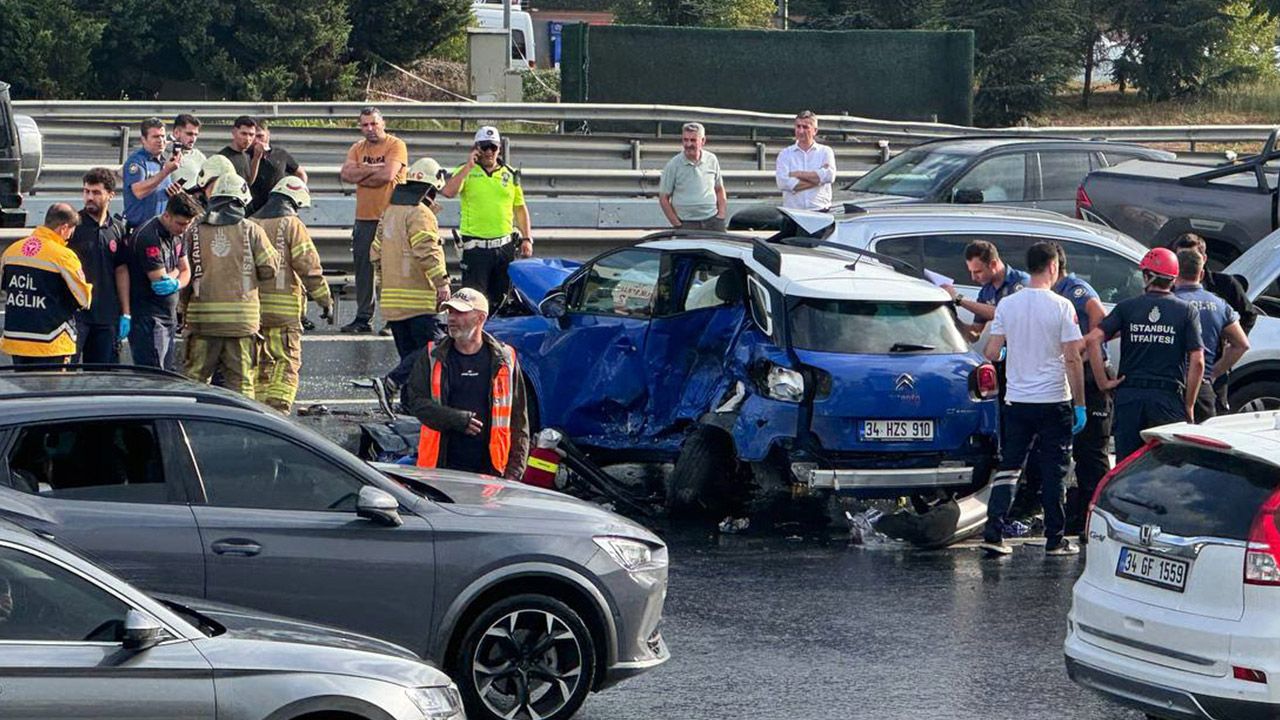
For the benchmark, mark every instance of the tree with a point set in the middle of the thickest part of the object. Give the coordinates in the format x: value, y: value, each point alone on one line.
x: 1171, y: 39
x: 870, y: 14
x: 1096, y: 19
x: 48, y: 48
x: 402, y: 31
x: 696, y: 13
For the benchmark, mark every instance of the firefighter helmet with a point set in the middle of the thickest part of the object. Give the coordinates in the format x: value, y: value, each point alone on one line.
x: 213, y: 168
x: 294, y: 189
x: 233, y: 186
x: 427, y: 171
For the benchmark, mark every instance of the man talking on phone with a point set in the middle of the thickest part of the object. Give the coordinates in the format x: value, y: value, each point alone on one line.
x: 491, y: 202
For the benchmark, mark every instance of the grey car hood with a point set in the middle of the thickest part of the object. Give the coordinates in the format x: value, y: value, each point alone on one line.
x: 480, y: 495
x: 261, y: 642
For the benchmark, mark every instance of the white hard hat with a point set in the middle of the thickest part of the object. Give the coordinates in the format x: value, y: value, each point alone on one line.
x: 488, y: 134
x: 427, y: 171
x: 214, y: 167
x: 233, y: 186
x: 294, y: 189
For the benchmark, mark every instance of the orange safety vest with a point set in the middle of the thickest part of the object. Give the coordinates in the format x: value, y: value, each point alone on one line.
x: 500, y: 425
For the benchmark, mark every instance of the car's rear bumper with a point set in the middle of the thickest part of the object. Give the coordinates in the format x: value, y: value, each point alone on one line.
x: 838, y: 479
x: 1166, y: 702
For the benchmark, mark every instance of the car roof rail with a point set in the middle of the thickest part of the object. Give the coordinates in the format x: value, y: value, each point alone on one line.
x: 96, y: 367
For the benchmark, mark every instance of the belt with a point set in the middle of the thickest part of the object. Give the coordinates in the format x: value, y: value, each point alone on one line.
x: 1151, y: 384
x: 472, y: 243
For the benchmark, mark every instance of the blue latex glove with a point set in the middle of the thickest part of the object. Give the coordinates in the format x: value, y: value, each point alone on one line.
x: 126, y: 323
x: 1079, y: 421
x: 164, y: 286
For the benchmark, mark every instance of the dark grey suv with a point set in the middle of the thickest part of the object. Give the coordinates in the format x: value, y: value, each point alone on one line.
x: 528, y: 598
x: 1030, y: 172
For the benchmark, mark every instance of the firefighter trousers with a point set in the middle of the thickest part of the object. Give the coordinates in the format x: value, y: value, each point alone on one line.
x: 279, y: 360
x: 229, y: 357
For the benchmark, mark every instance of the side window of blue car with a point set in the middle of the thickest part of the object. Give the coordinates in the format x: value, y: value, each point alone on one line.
x: 624, y: 283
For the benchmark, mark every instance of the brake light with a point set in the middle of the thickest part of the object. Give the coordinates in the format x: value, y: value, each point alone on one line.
x: 986, y: 384
x: 1082, y: 202
x: 1097, y: 492
x: 1248, y: 674
x: 1262, y: 556
x: 1203, y: 441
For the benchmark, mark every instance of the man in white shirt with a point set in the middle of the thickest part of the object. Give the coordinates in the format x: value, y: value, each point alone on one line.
x: 1044, y: 399
x: 806, y: 169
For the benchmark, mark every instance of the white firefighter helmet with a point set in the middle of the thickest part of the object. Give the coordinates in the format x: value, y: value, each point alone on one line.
x: 214, y: 167
x: 233, y: 186
x: 427, y: 171
x: 294, y: 189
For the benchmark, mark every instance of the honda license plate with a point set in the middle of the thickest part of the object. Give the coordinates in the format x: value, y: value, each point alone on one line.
x: 897, y: 430
x: 1151, y: 569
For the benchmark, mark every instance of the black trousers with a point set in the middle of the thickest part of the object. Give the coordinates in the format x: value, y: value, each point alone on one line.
x: 1048, y: 426
x: 361, y: 241
x: 1139, y: 408
x: 1206, y: 402
x: 22, y: 361
x: 96, y: 342
x: 485, y: 269
x: 1089, y: 451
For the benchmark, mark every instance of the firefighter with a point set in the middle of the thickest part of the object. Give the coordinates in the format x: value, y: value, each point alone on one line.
x: 212, y: 169
x: 408, y: 257
x: 44, y: 286
x: 283, y: 299
x: 229, y: 257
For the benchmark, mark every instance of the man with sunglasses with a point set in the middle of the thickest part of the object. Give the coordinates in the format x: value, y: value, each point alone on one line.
x: 491, y: 202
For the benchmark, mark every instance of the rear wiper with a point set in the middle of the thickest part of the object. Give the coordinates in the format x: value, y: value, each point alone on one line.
x: 910, y: 347
x: 1154, y: 507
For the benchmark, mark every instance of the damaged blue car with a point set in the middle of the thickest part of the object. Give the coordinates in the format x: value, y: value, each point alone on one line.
x: 782, y: 363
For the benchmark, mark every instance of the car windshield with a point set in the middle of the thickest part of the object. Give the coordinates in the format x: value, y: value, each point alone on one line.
x: 874, y: 327
x: 914, y: 173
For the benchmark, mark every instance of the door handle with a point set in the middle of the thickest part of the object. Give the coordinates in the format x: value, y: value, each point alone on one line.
x: 243, y: 548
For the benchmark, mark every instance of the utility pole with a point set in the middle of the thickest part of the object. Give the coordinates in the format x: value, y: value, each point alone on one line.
x: 506, y: 26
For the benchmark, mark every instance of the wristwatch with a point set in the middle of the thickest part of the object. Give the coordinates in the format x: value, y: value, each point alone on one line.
x: 958, y: 299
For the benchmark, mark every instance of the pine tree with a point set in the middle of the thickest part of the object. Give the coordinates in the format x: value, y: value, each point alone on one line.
x: 402, y: 31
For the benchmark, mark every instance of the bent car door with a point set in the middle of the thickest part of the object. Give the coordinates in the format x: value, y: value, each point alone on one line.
x: 61, y: 657
x: 108, y: 488
x: 281, y: 534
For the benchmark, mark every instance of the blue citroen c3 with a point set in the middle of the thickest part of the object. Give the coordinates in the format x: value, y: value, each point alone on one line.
x: 805, y: 364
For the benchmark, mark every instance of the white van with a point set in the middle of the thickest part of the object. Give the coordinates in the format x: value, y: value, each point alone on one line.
x: 523, y: 50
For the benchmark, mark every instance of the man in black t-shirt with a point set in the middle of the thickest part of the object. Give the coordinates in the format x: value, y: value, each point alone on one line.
x: 157, y: 269
x: 99, y: 243
x: 1161, y: 355
x: 275, y: 164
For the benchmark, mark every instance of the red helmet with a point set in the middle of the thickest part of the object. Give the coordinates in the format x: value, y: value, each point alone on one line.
x: 1160, y: 261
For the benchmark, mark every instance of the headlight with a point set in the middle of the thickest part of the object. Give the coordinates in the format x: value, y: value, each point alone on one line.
x: 437, y: 703
x: 631, y: 555
x: 785, y: 384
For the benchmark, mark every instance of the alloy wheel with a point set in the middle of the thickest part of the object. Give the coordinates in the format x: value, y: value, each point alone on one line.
x: 527, y: 665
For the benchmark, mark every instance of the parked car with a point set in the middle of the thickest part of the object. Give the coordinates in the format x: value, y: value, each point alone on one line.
x: 1176, y: 610
x: 79, y: 642
x: 811, y: 365
x: 1231, y: 205
x: 1255, y: 380
x: 1028, y: 172
x: 21, y: 154
x: 529, y: 598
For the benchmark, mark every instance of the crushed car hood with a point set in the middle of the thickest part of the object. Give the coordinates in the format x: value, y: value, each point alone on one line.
x: 533, y: 278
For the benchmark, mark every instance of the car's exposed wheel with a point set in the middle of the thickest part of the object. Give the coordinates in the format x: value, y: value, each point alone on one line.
x: 1256, y: 397
x: 702, y: 474
x: 528, y: 657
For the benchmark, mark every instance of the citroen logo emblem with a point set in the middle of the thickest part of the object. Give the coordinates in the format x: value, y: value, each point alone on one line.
x: 905, y: 382
x: 1148, y: 533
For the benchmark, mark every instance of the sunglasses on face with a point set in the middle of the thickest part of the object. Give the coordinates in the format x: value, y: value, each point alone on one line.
x: 487, y: 147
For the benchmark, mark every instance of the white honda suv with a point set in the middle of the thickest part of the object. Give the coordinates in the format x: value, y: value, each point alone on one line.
x: 1178, y: 610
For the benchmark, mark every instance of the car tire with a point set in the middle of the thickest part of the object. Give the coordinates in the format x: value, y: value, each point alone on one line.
x: 522, y: 639
x: 1255, y: 396
x: 702, y: 473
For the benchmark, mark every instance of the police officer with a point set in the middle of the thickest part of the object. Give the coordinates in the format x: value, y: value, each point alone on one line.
x: 155, y: 270
x: 43, y: 287
x: 997, y: 282
x: 1223, y: 337
x: 1161, y: 355
x: 146, y: 175
x: 490, y: 198
x: 282, y: 299
x: 229, y: 257
x: 1089, y: 447
x: 99, y: 243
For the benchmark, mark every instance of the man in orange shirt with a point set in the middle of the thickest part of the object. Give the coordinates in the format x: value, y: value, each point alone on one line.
x: 375, y: 165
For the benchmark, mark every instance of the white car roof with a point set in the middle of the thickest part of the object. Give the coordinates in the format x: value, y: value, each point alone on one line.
x: 819, y: 272
x: 1256, y: 435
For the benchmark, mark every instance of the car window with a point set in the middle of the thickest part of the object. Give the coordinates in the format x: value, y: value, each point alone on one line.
x: 1061, y: 173
x: 1001, y: 179
x: 624, y: 283
x: 711, y: 283
x: 945, y: 253
x: 41, y: 601
x: 518, y: 51
x: 247, y: 468
x: 1115, y: 158
x: 915, y: 173
x: 868, y: 327
x: 906, y: 249
x: 761, y: 305
x: 105, y: 460
x: 1113, y: 276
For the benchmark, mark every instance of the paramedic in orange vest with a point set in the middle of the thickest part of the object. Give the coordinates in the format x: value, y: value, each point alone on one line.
x: 468, y: 394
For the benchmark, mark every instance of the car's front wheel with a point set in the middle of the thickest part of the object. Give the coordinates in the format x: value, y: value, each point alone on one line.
x: 1258, y: 396
x: 527, y: 657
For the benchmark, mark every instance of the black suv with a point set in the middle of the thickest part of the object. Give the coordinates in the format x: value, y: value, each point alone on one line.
x: 1026, y: 172
x: 20, y: 150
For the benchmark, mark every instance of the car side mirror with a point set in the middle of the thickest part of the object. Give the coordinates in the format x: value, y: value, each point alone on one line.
x: 554, y: 304
x: 141, y: 631
x: 967, y: 196
x: 378, y: 505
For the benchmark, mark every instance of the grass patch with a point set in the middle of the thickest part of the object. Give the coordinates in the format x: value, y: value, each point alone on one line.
x: 1251, y: 104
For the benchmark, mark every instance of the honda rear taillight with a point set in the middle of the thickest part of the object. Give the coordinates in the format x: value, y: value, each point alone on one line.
x: 1097, y: 492
x: 1262, y: 556
x: 1248, y: 674
x: 986, y: 383
x: 1082, y: 202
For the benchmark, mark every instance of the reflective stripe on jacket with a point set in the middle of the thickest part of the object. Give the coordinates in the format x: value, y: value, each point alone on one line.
x: 43, y: 285
x: 502, y: 396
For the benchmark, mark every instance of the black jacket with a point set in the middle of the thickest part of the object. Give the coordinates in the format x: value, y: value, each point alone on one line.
x: 1229, y: 288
